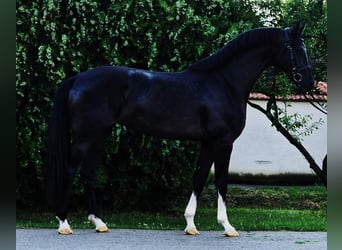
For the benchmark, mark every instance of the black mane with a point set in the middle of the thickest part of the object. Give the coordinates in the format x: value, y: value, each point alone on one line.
x: 244, y: 41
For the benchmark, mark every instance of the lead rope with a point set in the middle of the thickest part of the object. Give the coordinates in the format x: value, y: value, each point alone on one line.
x: 314, y: 102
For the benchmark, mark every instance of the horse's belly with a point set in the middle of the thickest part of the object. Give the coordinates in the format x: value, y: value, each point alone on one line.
x: 181, y: 128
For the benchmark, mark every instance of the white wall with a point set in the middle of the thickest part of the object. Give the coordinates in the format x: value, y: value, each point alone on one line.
x: 261, y: 149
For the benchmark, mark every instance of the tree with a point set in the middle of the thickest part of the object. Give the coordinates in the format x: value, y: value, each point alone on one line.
x: 272, y: 113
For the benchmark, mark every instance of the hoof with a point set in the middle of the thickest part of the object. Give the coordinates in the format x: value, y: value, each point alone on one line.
x: 100, y: 226
x: 65, y: 231
x: 64, y: 227
x: 102, y: 229
x: 231, y: 233
x: 192, y: 231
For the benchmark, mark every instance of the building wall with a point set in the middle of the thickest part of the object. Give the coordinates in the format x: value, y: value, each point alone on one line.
x: 261, y: 149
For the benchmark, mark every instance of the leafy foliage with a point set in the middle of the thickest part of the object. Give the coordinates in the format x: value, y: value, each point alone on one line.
x: 57, y: 39
x: 296, y: 124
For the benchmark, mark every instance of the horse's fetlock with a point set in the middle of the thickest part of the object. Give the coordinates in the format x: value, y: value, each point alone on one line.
x: 189, y: 215
x: 221, y: 220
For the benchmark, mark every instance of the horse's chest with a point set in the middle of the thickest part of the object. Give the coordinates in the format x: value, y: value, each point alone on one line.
x: 226, y: 118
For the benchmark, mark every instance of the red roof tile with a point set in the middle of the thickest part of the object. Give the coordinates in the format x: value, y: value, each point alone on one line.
x: 260, y: 96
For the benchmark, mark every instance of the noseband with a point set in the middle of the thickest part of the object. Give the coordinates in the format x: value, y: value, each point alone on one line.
x: 296, y: 75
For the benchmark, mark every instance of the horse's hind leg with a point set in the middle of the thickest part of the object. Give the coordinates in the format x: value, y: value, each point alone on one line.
x: 78, y: 150
x: 92, y: 150
x: 86, y: 150
x: 63, y: 201
x: 204, y: 163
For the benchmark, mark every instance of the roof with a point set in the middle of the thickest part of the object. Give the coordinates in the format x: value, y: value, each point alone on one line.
x: 298, y: 98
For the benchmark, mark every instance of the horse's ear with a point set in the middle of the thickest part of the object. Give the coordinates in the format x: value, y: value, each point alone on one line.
x: 299, y: 28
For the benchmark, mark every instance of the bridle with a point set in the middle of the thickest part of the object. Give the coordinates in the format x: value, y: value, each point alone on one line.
x: 298, y: 77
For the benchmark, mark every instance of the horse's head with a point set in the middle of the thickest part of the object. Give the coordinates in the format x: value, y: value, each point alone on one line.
x: 294, y: 60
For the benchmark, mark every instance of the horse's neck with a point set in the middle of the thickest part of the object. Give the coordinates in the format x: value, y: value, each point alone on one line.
x: 246, y: 68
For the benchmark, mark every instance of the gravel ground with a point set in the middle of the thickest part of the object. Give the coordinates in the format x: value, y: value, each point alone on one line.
x: 122, y: 239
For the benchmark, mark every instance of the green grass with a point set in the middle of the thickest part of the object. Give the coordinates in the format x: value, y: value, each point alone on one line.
x: 261, y: 208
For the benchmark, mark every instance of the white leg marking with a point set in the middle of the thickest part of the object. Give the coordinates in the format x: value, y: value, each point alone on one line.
x: 64, y: 227
x: 101, y: 227
x: 222, y: 218
x: 189, y: 215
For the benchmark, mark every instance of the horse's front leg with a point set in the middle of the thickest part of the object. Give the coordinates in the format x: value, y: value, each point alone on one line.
x: 222, y: 156
x: 204, y: 163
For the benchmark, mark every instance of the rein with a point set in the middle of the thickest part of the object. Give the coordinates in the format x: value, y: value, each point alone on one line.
x: 297, y: 76
x: 314, y: 102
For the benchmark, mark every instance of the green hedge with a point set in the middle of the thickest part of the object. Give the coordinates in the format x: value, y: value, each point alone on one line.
x: 59, y: 38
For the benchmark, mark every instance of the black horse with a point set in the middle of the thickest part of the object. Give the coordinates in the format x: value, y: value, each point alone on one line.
x: 205, y: 102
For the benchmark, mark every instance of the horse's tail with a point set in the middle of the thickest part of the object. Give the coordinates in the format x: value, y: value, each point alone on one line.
x: 58, y: 146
